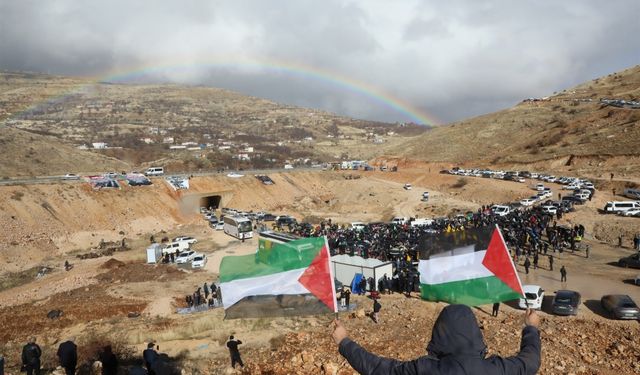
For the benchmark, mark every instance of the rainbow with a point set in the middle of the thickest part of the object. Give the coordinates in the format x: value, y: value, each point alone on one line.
x: 124, y: 75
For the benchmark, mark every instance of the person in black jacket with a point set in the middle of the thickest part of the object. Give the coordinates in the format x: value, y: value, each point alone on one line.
x: 456, y: 347
x: 232, y: 344
x: 109, y: 361
x: 68, y: 357
x: 376, y: 310
x: 149, y: 355
x: 31, y: 354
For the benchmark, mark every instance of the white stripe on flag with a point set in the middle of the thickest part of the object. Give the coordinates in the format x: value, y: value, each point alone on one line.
x: 453, y: 268
x: 274, y: 284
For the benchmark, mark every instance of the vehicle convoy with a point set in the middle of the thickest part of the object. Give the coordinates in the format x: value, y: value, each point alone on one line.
x: 565, y: 302
x: 620, y: 306
x: 238, y: 227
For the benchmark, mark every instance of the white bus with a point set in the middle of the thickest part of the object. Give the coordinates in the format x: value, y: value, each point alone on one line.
x: 238, y: 227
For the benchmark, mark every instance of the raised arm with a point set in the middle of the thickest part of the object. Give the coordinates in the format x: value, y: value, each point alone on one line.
x: 370, y: 364
x: 527, y: 361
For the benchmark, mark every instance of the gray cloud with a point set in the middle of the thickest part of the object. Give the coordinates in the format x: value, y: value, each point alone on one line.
x: 450, y: 59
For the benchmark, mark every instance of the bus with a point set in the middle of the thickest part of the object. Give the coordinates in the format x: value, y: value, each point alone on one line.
x: 238, y: 227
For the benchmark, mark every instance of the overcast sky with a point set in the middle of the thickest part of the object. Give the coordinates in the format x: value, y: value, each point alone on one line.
x: 448, y: 59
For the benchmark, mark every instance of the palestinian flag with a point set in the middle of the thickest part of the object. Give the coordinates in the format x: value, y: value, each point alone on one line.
x: 471, y: 267
x: 292, y: 278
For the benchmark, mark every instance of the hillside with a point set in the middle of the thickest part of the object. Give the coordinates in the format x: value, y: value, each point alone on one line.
x: 182, y: 127
x: 30, y: 154
x: 573, y: 129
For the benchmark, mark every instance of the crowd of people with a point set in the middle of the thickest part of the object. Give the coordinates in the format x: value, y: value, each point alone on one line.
x: 209, y: 295
x: 524, y: 232
x: 151, y: 363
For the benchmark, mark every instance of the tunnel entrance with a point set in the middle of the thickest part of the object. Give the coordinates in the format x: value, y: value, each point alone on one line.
x: 211, y: 201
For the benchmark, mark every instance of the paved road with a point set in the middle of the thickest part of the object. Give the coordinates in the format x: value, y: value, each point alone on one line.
x: 56, y: 179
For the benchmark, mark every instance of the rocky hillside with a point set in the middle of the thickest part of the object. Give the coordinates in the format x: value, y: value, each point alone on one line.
x: 24, y: 153
x: 577, y: 128
x: 569, y: 345
x: 207, y: 127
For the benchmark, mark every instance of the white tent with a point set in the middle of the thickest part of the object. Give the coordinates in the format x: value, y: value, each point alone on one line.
x: 345, y: 268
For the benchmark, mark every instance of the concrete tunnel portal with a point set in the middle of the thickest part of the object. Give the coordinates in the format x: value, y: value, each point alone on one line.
x: 191, y: 203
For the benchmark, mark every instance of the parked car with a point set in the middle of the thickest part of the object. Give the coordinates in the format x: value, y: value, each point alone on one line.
x: 188, y: 239
x: 185, y: 257
x: 620, y: 306
x: 534, y: 294
x: 199, y: 261
x: 550, y: 209
x: 285, y: 220
x: 110, y: 175
x: 70, y: 176
x: 632, y: 261
x: 220, y: 225
x: 407, y: 187
x: 637, y: 280
x: 539, y: 187
x: 632, y: 212
x: 528, y: 202
x: 565, y: 302
x: 268, y: 217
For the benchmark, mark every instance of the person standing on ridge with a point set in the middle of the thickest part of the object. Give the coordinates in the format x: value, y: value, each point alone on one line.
x: 68, y: 356
x: 31, y: 354
x: 232, y: 344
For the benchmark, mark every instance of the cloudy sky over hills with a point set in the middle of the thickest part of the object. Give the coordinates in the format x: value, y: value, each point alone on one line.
x: 386, y: 60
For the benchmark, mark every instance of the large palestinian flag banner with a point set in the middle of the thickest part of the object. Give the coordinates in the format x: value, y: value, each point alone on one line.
x: 280, y: 279
x: 471, y: 267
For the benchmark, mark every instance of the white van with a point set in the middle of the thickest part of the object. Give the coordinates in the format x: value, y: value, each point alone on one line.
x: 172, y: 247
x: 154, y: 171
x: 358, y: 225
x: 421, y: 222
x: 501, y: 210
x: 288, y: 166
x: 615, y: 207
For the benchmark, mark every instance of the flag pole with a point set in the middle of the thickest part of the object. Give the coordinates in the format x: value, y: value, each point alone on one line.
x: 333, y: 286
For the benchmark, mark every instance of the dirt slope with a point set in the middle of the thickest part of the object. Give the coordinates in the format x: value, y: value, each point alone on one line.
x: 572, y: 129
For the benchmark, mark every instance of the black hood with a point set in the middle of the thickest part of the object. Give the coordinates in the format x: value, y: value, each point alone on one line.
x: 456, y: 332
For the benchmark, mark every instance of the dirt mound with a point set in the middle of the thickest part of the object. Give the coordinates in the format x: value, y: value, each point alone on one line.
x: 140, y: 272
x: 112, y: 264
x: 80, y: 305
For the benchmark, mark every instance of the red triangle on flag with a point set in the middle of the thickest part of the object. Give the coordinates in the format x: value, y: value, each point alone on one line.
x: 317, y: 279
x: 498, y: 261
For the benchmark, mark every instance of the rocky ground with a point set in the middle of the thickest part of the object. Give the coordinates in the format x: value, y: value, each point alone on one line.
x: 569, y: 345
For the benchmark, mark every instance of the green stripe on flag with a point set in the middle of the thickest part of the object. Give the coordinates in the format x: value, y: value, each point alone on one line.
x: 271, y: 258
x: 472, y: 292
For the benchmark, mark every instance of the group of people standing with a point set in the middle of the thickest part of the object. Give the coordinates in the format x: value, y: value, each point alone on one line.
x: 67, y: 358
x: 209, y: 295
